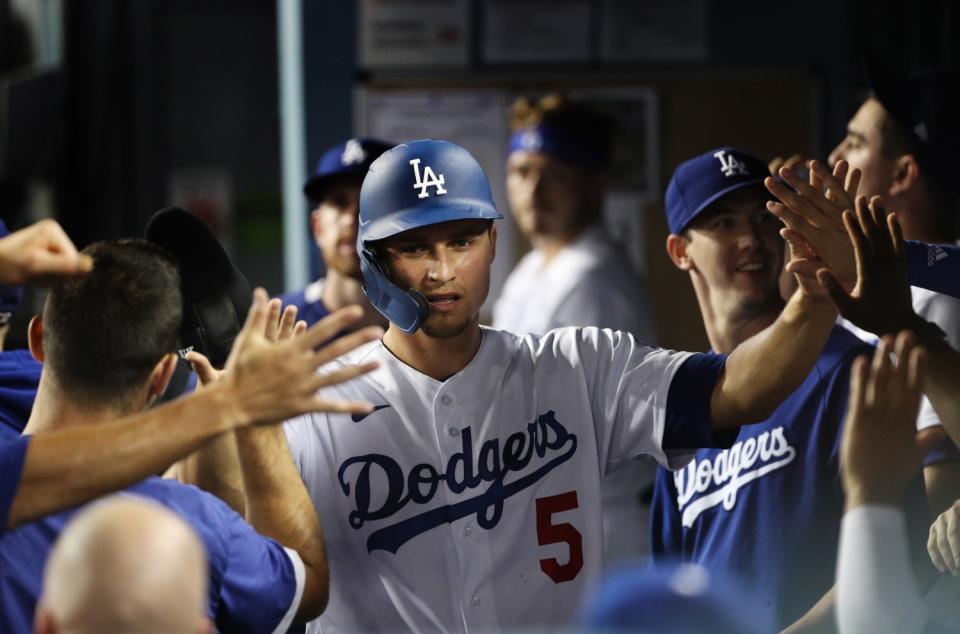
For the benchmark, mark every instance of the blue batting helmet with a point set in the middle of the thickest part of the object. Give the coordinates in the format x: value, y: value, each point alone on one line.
x: 413, y: 185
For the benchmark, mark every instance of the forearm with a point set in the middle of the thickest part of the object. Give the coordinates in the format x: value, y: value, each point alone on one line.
x: 215, y: 468
x: 819, y: 618
x: 940, y: 385
x: 278, y: 505
x: 765, y: 369
x: 71, y: 466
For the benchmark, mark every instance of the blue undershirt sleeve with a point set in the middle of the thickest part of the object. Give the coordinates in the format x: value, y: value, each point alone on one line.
x: 935, y: 267
x: 688, y: 405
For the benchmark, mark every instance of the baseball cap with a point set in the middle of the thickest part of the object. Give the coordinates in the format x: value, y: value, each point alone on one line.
x: 10, y: 296
x: 216, y: 295
x: 926, y: 105
x: 674, y: 598
x: 350, y: 158
x: 697, y: 183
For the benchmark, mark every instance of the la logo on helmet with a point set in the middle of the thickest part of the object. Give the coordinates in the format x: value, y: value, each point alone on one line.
x: 429, y: 179
x: 729, y: 164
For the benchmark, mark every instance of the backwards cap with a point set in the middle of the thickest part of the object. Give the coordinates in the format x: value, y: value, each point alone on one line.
x: 926, y: 105
x: 414, y: 185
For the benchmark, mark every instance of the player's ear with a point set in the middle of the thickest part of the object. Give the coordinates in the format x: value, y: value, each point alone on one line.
x: 906, y: 173
x: 160, y: 377
x: 677, y: 250
x: 493, y: 241
x: 35, y: 337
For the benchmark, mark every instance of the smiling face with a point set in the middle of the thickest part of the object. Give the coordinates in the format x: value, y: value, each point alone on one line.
x: 449, y: 263
x: 334, y: 224
x: 735, y: 255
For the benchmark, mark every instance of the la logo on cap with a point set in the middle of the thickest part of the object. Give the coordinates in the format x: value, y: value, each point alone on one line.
x: 729, y: 164
x: 353, y: 153
x: 429, y: 180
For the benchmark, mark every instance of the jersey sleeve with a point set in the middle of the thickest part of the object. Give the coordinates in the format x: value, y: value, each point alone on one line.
x: 261, y: 582
x: 935, y: 267
x: 13, y: 455
x: 629, y: 386
x: 665, y: 522
x: 300, y: 441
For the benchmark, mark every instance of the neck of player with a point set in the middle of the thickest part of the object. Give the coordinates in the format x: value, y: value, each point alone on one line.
x: 728, y: 326
x: 53, y: 409
x: 438, y: 358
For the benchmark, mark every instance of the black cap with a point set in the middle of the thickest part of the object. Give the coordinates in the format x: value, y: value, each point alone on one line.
x: 927, y: 106
x: 216, y: 295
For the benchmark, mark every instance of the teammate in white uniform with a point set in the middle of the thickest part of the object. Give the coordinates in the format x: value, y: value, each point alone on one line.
x: 575, y: 275
x: 469, y: 500
x: 557, y: 163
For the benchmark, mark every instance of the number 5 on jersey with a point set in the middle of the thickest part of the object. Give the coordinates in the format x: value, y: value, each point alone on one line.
x: 565, y: 533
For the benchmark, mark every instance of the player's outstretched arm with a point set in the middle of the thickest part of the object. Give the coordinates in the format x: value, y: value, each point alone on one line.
x: 766, y: 368
x: 881, y: 302
x: 41, y: 253
x: 881, y: 453
x: 71, y: 466
x: 277, y: 502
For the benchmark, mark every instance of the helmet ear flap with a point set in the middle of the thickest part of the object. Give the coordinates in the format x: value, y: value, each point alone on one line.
x: 405, y: 309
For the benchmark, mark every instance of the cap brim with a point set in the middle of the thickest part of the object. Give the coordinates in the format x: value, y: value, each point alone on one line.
x: 716, y: 196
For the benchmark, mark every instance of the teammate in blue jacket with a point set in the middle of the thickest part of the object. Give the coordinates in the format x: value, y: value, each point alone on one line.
x: 768, y: 507
x: 106, y: 341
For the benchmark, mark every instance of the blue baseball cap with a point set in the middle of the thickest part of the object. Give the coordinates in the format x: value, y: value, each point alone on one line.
x: 674, y: 598
x: 350, y: 158
x: 699, y: 182
x: 10, y: 296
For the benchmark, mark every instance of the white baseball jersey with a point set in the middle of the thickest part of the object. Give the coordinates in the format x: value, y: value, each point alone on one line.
x: 473, y: 504
x: 588, y: 283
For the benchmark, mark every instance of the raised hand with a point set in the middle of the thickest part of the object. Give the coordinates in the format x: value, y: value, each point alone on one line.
x: 42, y: 254
x: 880, y: 302
x: 276, y: 380
x: 881, y: 450
x: 812, y: 213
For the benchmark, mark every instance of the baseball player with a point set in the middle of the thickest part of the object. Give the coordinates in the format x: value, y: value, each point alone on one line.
x: 60, y: 469
x: 575, y: 275
x: 469, y: 500
x: 334, y: 194
x: 904, y: 139
x: 107, y: 342
x: 766, y: 508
